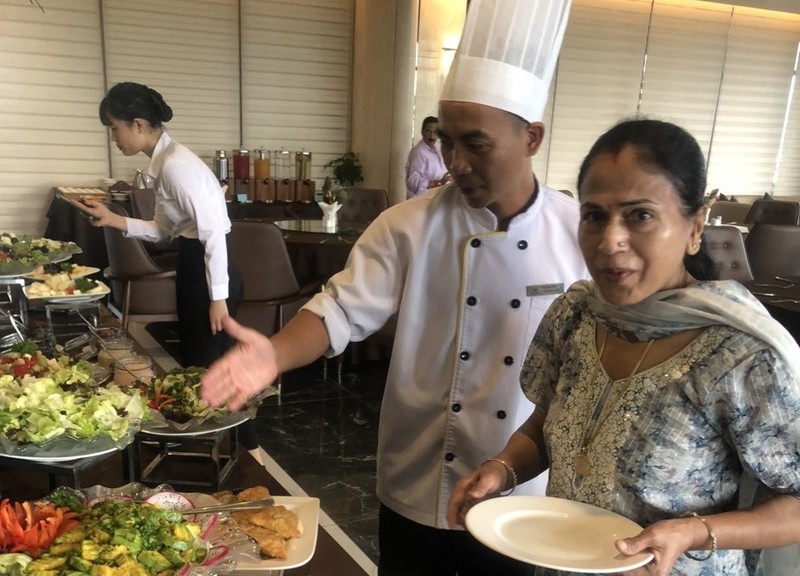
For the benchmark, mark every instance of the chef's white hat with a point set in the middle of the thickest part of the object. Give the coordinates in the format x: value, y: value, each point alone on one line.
x: 507, y: 55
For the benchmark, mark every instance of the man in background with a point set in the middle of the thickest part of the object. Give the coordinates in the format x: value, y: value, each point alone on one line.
x: 425, y: 168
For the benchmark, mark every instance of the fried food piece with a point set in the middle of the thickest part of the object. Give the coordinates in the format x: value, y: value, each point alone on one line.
x: 270, y: 543
x: 278, y: 519
x: 254, y: 493
x: 225, y: 497
x: 242, y: 517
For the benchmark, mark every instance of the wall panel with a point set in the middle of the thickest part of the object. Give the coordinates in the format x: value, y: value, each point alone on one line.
x: 50, y: 81
x: 296, y: 63
x: 188, y: 50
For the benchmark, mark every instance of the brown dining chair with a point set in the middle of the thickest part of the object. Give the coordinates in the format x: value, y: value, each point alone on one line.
x: 772, y: 250
x: 773, y: 212
x: 726, y: 245
x: 272, y: 293
x: 143, y: 206
x: 143, y: 203
x: 363, y: 204
x: 142, y: 287
x: 729, y: 210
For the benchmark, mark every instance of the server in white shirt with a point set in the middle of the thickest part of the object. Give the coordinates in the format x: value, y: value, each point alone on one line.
x: 190, y: 206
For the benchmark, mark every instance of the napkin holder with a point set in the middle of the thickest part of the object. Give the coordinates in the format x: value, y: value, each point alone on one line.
x: 329, y: 218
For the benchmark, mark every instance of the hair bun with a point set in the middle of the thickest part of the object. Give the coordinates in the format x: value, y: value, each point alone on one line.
x: 165, y: 112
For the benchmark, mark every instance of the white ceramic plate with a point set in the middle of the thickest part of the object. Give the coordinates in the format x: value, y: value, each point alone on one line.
x: 300, y: 549
x: 73, y: 451
x: 69, y: 297
x: 205, y: 427
x: 555, y: 533
x: 80, y: 272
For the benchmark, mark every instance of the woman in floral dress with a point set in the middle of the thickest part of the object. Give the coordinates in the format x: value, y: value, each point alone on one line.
x: 659, y: 390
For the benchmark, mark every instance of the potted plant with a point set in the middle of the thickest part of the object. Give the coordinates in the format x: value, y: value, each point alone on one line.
x: 346, y: 172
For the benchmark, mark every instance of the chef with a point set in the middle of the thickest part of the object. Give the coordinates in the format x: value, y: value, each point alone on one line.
x: 470, y: 269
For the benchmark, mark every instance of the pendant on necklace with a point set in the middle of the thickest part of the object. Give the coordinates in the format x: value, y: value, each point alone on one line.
x: 582, y: 464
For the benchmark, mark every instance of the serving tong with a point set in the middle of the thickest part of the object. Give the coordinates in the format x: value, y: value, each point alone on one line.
x: 100, y: 342
x: 14, y: 324
x: 252, y: 505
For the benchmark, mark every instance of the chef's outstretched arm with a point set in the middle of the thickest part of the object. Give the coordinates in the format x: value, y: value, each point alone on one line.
x: 255, y: 362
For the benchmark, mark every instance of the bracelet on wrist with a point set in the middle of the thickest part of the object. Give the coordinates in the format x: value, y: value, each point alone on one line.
x: 712, y: 536
x: 509, y: 473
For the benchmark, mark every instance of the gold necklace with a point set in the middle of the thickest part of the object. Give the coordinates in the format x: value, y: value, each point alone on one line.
x: 582, y: 464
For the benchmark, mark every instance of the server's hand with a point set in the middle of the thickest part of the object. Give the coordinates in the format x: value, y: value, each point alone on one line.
x: 217, y: 312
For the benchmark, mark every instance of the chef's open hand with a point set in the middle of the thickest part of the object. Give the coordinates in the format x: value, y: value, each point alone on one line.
x: 485, y: 482
x: 666, y: 541
x: 243, y: 371
x: 217, y: 312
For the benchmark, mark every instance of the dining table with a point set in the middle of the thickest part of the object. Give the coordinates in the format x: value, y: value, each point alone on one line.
x: 317, y: 250
x: 781, y: 297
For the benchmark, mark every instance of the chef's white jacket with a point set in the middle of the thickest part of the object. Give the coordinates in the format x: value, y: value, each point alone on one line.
x: 469, y: 300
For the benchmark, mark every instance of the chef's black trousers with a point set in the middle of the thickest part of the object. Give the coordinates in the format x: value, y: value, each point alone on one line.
x: 411, y: 549
x: 199, y: 347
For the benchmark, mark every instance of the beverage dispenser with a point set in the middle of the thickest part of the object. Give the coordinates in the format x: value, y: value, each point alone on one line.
x: 264, y: 183
x: 284, y: 183
x: 305, y: 186
x: 241, y: 175
x: 221, y: 172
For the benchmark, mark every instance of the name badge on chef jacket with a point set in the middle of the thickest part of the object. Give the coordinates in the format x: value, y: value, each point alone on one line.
x: 545, y: 289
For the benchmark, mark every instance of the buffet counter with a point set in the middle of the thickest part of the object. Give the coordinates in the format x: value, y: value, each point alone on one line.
x: 329, y: 559
x: 66, y: 223
x: 28, y: 479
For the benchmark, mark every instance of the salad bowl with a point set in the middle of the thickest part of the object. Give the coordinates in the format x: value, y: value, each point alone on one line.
x: 177, y: 408
x: 57, y: 410
x: 210, y: 543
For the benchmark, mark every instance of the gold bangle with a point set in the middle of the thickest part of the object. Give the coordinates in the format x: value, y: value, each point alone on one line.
x: 711, y: 534
x: 509, y: 472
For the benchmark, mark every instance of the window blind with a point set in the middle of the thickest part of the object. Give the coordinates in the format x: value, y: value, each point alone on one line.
x: 188, y: 50
x: 598, y: 78
x: 296, y: 73
x: 752, y: 102
x: 51, y: 78
x: 787, y: 174
x: 721, y: 72
x: 672, y: 90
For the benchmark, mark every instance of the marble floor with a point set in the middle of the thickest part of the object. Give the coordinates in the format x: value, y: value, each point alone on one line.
x: 323, y: 434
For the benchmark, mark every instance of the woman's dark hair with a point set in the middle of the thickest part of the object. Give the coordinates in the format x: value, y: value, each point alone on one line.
x: 129, y: 100
x: 674, y: 153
